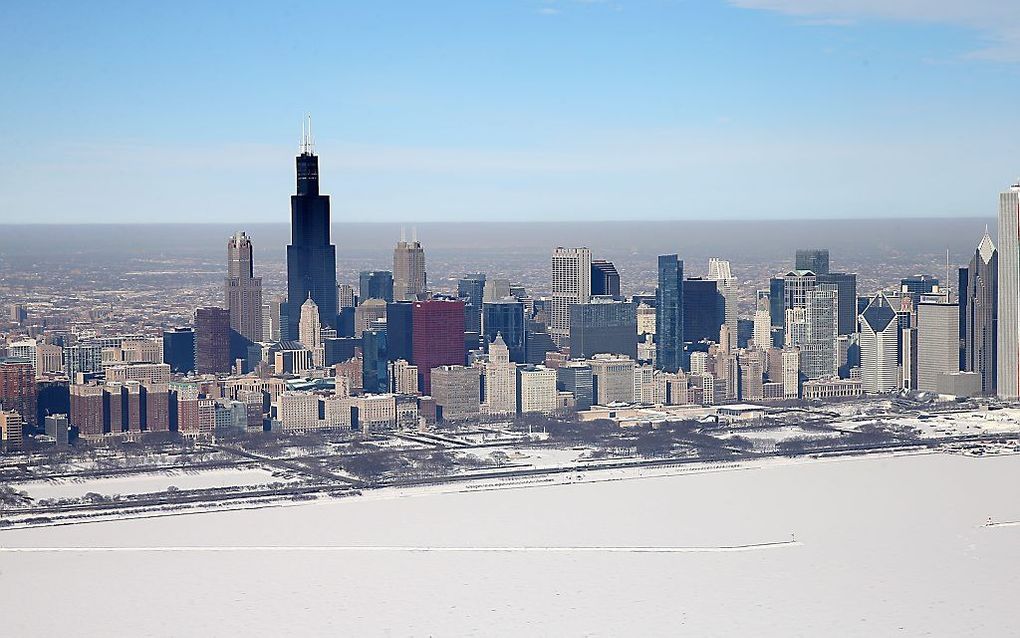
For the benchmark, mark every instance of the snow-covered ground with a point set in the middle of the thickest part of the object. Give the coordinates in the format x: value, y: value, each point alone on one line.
x: 147, y: 483
x: 885, y: 545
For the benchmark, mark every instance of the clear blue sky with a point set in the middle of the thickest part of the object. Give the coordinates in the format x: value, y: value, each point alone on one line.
x: 515, y: 109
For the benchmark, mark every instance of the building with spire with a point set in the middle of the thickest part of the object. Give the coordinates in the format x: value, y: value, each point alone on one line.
x: 243, y: 290
x: 978, y: 313
x: 311, y: 258
x: 408, y: 269
x: 500, y: 380
x: 310, y: 330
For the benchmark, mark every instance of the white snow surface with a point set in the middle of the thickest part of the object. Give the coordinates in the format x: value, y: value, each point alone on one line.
x: 885, y: 546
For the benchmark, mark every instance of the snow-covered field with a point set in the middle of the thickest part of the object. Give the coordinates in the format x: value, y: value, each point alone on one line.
x: 884, y: 546
x: 146, y: 483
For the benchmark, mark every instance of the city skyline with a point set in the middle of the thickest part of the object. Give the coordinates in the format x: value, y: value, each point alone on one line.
x: 573, y: 110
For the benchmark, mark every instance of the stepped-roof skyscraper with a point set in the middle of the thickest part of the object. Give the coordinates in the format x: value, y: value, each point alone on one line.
x: 243, y: 289
x: 311, y: 258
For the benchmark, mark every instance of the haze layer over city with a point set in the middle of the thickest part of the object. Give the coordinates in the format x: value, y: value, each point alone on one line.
x: 544, y: 317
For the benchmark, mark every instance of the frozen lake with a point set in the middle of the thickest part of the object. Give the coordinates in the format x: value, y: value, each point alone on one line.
x: 885, y: 546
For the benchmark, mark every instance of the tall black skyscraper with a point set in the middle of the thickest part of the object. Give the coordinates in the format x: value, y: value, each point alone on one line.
x: 704, y: 310
x: 311, y: 258
x: 669, y: 314
x: 605, y: 280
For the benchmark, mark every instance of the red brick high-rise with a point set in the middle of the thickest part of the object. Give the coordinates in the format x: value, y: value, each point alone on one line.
x: 18, y: 391
x: 437, y: 337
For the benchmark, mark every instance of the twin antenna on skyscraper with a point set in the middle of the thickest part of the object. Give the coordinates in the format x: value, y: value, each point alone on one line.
x: 307, y: 145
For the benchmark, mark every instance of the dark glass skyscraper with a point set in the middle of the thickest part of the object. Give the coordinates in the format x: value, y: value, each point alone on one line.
x: 311, y: 258
x: 777, y: 301
x: 704, y: 310
x: 605, y: 280
x: 471, y: 288
x: 375, y: 284
x: 179, y: 349
x: 603, y: 326
x: 669, y: 314
x: 506, y: 317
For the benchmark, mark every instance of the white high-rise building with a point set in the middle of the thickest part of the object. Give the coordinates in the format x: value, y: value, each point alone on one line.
x: 720, y: 272
x: 819, y: 354
x: 795, y: 327
x: 298, y: 411
x: 879, y: 349
x: 699, y: 362
x: 310, y: 331
x: 571, y: 284
x: 1008, y: 347
x: 500, y: 380
x: 938, y: 344
x: 537, y: 389
x: 25, y: 349
x: 403, y: 377
x: 791, y: 373
x: 762, y: 335
x: 408, y: 270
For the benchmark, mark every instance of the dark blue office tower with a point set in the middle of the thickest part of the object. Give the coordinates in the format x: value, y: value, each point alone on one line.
x: 311, y: 258
x: 669, y: 314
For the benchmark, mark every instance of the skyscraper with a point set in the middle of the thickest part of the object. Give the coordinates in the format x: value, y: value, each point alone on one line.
x: 243, y: 289
x: 506, y: 319
x: 762, y: 336
x: 605, y: 280
x: 978, y: 305
x: 704, y: 310
x: 18, y: 390
x: 819, y: 356
x: 669, y: 314
x: 375, y: 284
x: 603, y: 325
x: 309, y: 328
x: 470, y: 288
x: 179, y: 349
x: 212, y: 340
x: 814, y: 259
x: 938, y: 345
x: 777, y: 301
x: 408, y: 270
x: 311, y: 258
x: 437, y: 337
x: 500, y: 380
x: 879, y: 350
x: 1008, y: 350
x: 846, y: 291
x: 571, y: 283
x: 719, y: 271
